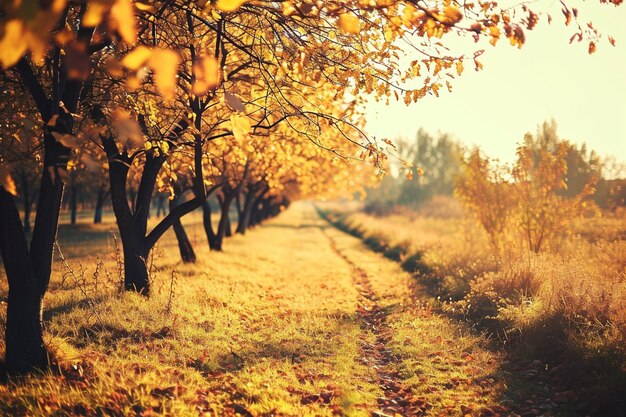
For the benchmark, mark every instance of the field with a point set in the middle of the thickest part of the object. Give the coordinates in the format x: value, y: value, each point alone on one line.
x: 312, y: 324
x: 565, y: 308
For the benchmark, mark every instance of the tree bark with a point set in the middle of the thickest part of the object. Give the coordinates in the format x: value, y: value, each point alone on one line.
x: 187, y: 253
x: 26, y: 200
x: 135, y: 254
x: 228, y: 231
x: 208, y: 226
x: 243, y: 212
x: 25, y: 350
x: 225, y: 199
x: 102, y: 195
x: 160, y: 204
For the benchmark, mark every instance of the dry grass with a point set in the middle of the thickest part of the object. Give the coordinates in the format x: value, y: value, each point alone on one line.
x: 261, y: 325
x: 566, y: 305
x: 262, y: 328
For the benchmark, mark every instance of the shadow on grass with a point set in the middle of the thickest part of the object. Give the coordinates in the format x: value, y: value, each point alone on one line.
x: 293, y: 351
x: 563, y: 377
x: 276, y: 225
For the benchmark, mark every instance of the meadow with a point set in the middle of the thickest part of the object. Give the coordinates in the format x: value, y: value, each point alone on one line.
x: 296, y: 318
x: 565, y: 307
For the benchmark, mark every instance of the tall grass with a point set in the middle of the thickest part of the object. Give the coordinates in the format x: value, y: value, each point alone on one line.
x: 569, y: 302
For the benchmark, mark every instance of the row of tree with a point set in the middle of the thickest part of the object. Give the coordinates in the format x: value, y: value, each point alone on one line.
x: 254, y: 101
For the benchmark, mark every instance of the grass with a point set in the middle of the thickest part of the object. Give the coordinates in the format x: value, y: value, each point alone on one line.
x: 565, y: 308
x: 271, y: 326
x: 254, y: 329
x: 440, y: 360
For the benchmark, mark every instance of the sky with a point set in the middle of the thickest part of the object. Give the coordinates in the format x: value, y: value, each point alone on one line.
x: 518, y: 89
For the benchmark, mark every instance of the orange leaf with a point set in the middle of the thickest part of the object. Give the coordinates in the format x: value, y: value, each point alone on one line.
x: 164, y: 63
x: 123, y: 16
x: 6, y: 181
x: 229, y: 5
x: 206, y: 70
x: 349, y: 23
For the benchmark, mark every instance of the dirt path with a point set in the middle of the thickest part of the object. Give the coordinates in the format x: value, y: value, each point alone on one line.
x: 398, y: 399
x: 425, y: 364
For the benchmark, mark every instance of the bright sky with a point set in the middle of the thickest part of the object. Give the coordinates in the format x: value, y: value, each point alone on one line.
x: 519, y: 89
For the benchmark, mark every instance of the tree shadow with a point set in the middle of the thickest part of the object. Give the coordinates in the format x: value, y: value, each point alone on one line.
x: 288, y: 350
x: 50, y: 312
x: 276, y: 225
x: 563, y: 377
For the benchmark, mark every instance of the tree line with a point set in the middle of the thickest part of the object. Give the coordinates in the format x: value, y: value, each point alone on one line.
x: 440, y: 165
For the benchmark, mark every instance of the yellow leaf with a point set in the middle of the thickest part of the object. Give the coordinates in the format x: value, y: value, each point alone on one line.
x: 144, y: 7
x: 95, y: 13
x: 234, y: 102
x: 452, y: 14
x: 494, y: 32
x: 288, y: 8
x: 127, y: 130
x: 206, y: 71
x: 137, y: 58
x: 349, y: 23
x: 459, y: 67
x: 6, y: 181
x: 164, y: 64
x: 67, y: 140
x: 229, y: 5
x: 123, y: 19
x: 13, y: 43
x: 240, y: 125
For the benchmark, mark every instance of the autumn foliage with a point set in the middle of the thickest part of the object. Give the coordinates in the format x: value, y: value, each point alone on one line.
x: 526, y: 202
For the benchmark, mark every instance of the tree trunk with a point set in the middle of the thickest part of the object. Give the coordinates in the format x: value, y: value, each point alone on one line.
x: 97, y: 216
x: 73, y: 202
x: 135, y: 254
x: 228, y: 232
x: 26, y: 200
x: 48, y: 209
x: 136, y: 276
x: 244, y: 213
x: 160, y: 204
x: 25, y: 350
x: 224, y: 224
x: 187, y: 253
x: 208, y: 227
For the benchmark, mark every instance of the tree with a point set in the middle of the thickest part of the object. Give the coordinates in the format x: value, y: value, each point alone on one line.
x: 58, y: 51
x: 439, y: 163
x: 485, y: 189
x: 541, y: 172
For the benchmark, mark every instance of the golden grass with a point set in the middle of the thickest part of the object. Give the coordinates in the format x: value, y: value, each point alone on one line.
x: 261, y: 328
x: 567, y: 306
x: 261, y: 325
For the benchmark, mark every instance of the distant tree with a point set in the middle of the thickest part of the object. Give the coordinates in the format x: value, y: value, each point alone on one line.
x: 438, y: 161
x: 484, y: 188
x: 550, y: 183
x: 582, y: 166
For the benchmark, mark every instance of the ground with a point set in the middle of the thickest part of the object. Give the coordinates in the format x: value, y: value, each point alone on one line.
x: 295, y: 318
